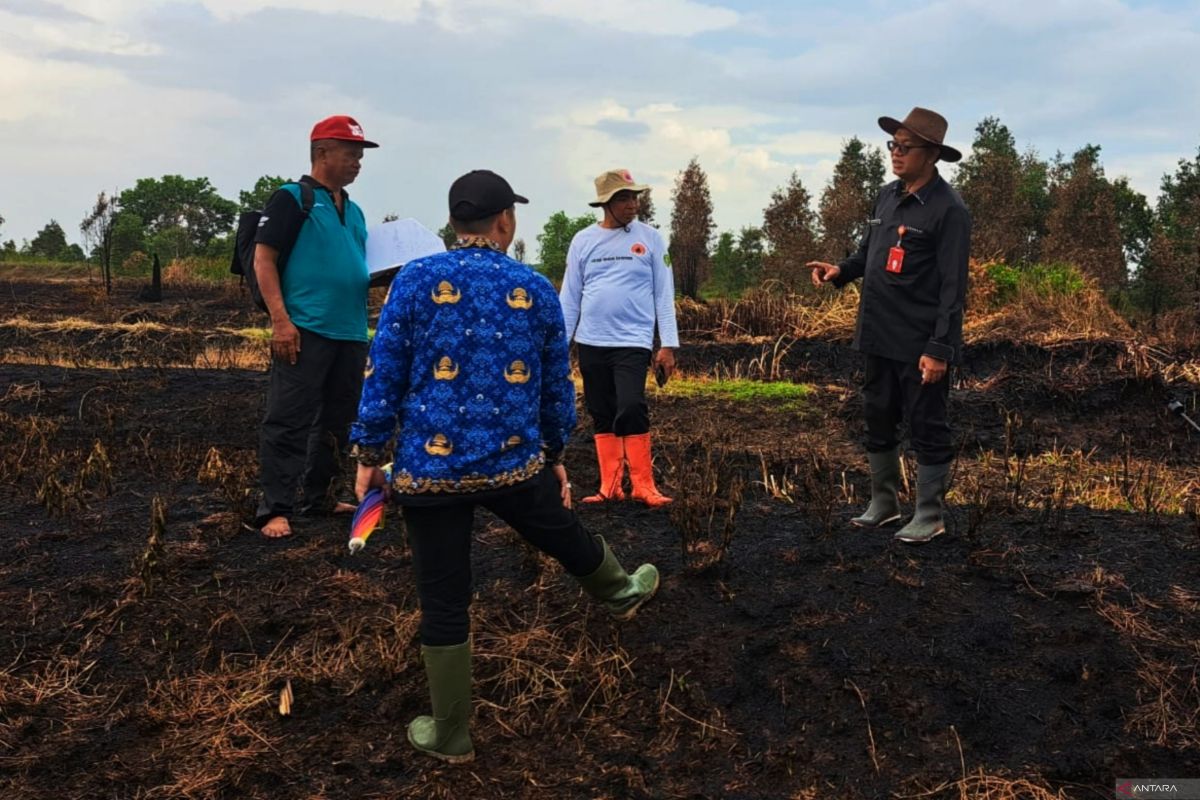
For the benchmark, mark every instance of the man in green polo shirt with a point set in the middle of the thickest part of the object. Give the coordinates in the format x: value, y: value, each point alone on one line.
x: 318, y: 308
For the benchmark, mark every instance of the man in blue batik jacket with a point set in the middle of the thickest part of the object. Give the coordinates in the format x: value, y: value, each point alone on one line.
x: 469, y: 374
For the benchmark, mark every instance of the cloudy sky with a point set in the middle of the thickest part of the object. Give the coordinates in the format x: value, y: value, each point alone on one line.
x: 95, y: 94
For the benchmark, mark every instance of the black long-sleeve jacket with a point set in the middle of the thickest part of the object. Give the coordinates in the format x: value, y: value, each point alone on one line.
x: 918, y: 311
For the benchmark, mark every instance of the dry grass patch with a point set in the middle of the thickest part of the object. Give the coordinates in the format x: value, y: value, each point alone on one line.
x: 1052, y: 481
x: 763, y: 312
x: 539, y: 673
x: 214, y: 724
x: 982, y: 786
x: 1169, y: 710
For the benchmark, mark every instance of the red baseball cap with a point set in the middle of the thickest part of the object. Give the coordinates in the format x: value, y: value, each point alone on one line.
x: 342, y: 128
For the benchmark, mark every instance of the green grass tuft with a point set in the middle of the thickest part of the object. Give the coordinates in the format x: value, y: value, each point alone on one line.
x: 781, y: 395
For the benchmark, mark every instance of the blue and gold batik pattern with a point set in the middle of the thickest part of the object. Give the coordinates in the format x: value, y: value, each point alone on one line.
x: 469, y: 373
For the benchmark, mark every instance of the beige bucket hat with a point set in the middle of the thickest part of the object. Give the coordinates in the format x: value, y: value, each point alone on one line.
x: 613, y: 181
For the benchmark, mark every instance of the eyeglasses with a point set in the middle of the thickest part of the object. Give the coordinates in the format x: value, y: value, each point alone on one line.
x: 897, y: 147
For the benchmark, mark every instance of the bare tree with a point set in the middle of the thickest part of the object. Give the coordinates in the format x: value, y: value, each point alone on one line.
x: 691, y: 228
x: 519, y: 250
x: 97, y: 230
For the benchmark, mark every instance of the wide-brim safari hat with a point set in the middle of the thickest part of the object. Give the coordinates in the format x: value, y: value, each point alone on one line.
x: 924, y: 124
x: 613, y: 181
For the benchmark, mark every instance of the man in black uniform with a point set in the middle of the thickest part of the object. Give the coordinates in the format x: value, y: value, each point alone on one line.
x: 913, y: 264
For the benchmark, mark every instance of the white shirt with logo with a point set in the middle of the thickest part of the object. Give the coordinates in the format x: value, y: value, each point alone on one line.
x: 616, y: 286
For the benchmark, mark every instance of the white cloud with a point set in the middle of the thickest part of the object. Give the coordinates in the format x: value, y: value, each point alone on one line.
x: 652, y: 17
x: 743, y: 165
x: 67, y: 33
x: 101, y: 92
x: 384, y: 10
x: 45, y: 89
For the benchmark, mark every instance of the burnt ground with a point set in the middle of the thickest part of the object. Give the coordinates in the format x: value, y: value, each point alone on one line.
x: 1051, y: 637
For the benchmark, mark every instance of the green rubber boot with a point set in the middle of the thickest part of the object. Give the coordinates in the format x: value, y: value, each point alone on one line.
x: 931, y: 489
x: 621, y: 593
x: 445, y: 735
x: 885, y: 481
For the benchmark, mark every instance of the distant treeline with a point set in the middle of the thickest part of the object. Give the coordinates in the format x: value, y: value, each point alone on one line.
x: 1027, y: 210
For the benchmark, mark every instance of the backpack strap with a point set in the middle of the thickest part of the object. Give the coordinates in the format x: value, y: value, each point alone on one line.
x: 307, y: 197
x: 307, y: 200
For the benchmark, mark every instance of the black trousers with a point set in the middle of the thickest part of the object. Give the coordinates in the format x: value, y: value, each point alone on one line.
x: 310, y: 405
x: 440, y: 537
x: 892, y: 391
x: 614, y: 388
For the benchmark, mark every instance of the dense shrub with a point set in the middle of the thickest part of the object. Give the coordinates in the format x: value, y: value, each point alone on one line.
x: 136, y: 265
x: 194, y: 268
x: 1043, y: 280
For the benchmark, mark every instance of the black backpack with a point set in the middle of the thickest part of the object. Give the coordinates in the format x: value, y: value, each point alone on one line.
x: 247, y: 231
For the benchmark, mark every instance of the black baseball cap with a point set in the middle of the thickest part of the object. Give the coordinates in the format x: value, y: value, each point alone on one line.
x: 480, y: 194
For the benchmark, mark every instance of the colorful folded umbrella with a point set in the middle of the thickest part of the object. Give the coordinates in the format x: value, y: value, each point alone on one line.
x: 369, y: 517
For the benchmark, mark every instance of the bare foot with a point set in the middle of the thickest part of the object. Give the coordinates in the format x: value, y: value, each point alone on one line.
x: 277, y: 528
x: 344, y: 508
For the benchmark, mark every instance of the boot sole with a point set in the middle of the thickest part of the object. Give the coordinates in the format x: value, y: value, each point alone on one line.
x: 597, y: 499
x: 465, y: 758
x: 629, y: 613
x: 649, y: 504
x: 909, y: 540
x: 856, y: 522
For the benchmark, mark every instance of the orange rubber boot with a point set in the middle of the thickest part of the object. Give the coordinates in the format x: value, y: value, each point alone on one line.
x: 610, y: 452
x: 641, y: 471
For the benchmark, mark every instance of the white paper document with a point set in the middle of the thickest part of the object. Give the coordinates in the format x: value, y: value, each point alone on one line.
x: 391, y: 245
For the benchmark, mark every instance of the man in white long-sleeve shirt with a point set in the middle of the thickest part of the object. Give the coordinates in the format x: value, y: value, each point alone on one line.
x: 616, y: 288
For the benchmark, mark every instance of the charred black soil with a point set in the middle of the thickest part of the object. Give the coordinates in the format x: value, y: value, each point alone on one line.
x: 1052, y: 636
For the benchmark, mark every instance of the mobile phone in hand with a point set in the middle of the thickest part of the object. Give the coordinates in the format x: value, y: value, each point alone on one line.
x: 660, y: 375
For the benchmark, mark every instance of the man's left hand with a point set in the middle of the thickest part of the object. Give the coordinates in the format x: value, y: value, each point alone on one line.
x: 665, y: 358
x: 932, y: 369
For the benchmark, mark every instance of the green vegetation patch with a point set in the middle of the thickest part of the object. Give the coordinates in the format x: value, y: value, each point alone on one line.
x: 264, y: 334
x: 254, y: 334
x: 780, y: 395
x: 33, y: 269
x: 1044, y: 280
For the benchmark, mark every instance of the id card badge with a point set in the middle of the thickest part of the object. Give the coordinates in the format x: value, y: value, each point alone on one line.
x: 895, y: 261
